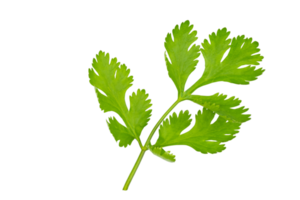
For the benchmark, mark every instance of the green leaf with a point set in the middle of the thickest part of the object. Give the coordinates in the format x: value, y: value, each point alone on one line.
x: 182, y: 60
x: 140, y: 110
x: 172, y: 128
x: 120, y: 132
x: 242, y: 51
x: 203, y: 137
x: 160, y: 152
x: 222, y: 107
x: 113, y: 81
x: 114, y: 85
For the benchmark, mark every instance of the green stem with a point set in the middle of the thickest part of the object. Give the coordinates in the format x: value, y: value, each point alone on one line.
x: 135, y: 167
x: 145, y: 148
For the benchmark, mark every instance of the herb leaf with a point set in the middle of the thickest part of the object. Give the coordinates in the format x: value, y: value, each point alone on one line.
x: 222, y: 107
x: 242, y: 52
x: 203, y: 137
x: 160, y: 152
x: 120, y: 132
x: 138, y: 115
x: 171, y: 128
x: 182, y: 59
x: 113, y: 81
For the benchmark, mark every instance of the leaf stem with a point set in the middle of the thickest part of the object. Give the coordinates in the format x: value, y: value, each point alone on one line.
x: 135, y: 167
x: 145, y: 148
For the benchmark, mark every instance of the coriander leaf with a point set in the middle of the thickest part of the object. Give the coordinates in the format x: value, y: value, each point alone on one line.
x: 172, y: 128
x: 222, y: 107
x: 203, y: 137
x: 242, y: 52
x: 120, y: 132
x: 138, y: 115
x: 182, y: 60
x: 160, y: 152
x: 113, y: 81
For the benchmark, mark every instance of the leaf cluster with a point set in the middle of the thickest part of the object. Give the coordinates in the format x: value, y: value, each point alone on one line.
x: 111, y: 81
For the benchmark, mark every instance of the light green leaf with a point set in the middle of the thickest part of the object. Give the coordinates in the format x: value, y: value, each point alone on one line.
x: 114, y: 85
x: 160, y: 152
x: 203, y: 137
x: 113, y: 82
x: 242, y: 51
x: 120, y: 132
x: 171, y: 128
x: 182, y: 60
x: 222, y: 107
x: 138, y: 115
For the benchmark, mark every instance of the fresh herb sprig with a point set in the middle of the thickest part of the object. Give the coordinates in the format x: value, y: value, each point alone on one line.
x: 181, y: 55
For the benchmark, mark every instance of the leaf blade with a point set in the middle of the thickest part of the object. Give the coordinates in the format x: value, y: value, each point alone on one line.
x: 242, y: 51
x: 113, y: 82
x: 204, y: 136
x: 222, y: 106
x: 139, y: 113
x: 160, y: 152
x: 120, y: 132
x: 175, y: 125
x: 182, y: 56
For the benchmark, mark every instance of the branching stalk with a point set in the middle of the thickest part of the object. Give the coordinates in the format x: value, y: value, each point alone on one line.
x: 145, y: 148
